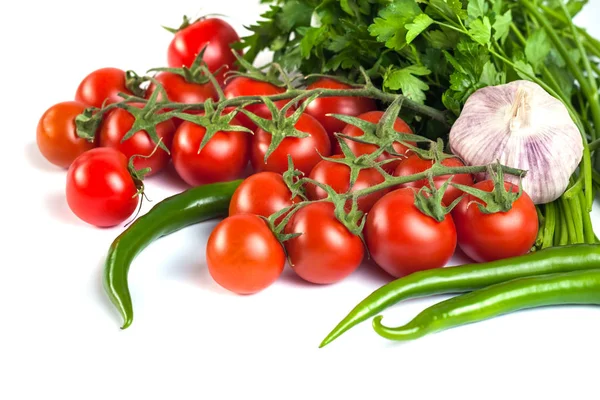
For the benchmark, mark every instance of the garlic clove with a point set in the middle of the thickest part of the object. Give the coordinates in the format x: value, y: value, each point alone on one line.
x: 522, y: 126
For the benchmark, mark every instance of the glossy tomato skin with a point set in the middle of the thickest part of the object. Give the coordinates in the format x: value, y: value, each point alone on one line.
x: 243, y: 255
x: 489, y: 237
x: 222, y: 159
x: 337, y: 176
x: 263, y: 194
x: 325, y: 252
x: 304, y: 151
x: 242, y: 86
x: 57, y: 134
x: 100, y: 189
x: 415, y: 164
x: 212, y: 34
x: 181, y: 91
x: 104, y: 84
x: 402, y: 240
x: 321, y: 106
x: 361, y: 148
x: 118, y: 122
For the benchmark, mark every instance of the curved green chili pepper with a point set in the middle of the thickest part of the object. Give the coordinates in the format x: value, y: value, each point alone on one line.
x: 466, y: 278
x: 578, y: 287
x: 174, y: 213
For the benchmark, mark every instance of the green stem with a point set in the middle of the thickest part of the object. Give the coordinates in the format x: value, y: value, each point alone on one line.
x: 577, y: 218
x: 588, y: 229
x: 549, y: 225
x: 570, y: 225
x: 595, y: 145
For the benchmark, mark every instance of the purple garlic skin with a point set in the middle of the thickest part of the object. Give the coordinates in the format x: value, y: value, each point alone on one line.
x: 522, y: 126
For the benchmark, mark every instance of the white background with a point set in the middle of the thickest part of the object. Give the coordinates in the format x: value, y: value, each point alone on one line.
x: 60, y: 337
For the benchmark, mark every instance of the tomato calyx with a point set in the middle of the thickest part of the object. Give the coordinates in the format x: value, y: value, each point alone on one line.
x: 281, y: 126
x: 275, y: 75
x: 88, y: 122
x: 293, y: 180
x: 197, y: 73
x: 134, y: 83
x: 184, y: 24
x: 428, y: 200
x: 381, y: 134
x: 499, y: 199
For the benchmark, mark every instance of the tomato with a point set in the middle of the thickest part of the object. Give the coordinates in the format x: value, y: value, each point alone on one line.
x: 100, y: 189
x: 364, y: 148
x: 242, y: 86
x: 261, y: 194
x: 487, y: 237
x: 212, y: 34
x: 304, y: 151
x: 321, y: 106
x: 181, y: 91
x: 326, y: 251
x: 337, y: 176
x: 243, y: 255
x: 403, y: 240
x: 102, y: 85
x: 415, y: 164
x: 223, y: 158
x: 57, y: 134
x: 118, y: 122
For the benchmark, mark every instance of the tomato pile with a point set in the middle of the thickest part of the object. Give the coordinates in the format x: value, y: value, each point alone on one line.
x: 333, y: 179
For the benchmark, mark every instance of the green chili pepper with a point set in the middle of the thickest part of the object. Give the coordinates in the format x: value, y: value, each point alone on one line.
x: 466, y: 278
x: 174, y: 213
x: 578, y: 287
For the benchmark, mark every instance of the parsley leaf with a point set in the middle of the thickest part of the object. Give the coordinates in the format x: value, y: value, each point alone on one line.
x: 477, y: 8
x: 415, y: 28
x: 502, y: 25
x: 406, y: 80
x: 481, y: 31
x: 389, y: 27
x: 537, y: 48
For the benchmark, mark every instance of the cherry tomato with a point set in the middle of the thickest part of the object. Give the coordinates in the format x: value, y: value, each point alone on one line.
x: 361, y: 148
x: 242, y: 86
x: 118, y: 122
x: 321, y: 106
x: 223, y: 158
x: 326, y: 251
x: 212, y: 34
x: 102, y: 85
x: 337, y: 176
x: 304, y: 151
x: 181, y: 91
x: 100, y: 189
x: 261, y: 194
x: 488, y: 237
x: 57, y: 134
x: 415, y: 164
x: 403, y: 240
x: 243, y: 255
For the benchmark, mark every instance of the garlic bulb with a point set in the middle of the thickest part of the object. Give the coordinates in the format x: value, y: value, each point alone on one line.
x: 522, y: 126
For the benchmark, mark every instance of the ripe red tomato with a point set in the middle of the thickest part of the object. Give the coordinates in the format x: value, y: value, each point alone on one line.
x: 261, y: 194
x: 403, y: 240
x: 212, y: 34
x: 223, y: 158
x: 243, y: 255
x: 118, y: 122
x: 321, y: 106
x: 100, y: 85
x: 337, y: 176
x: 242, y: 86
x: 100, y: 189
x: 488, y: 237
x: 304, y: 151
x: 415, y: 164
x: 181, y: 91
x: 361, y: 148
x: 57, y: 134
x: 326, y: 251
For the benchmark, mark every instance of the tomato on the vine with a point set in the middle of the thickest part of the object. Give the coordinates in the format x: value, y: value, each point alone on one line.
x: 57, y: 134
x: 243, y: 255
x: 321, y: 106
x: 241, y: 86
x: 223, y: 158
x: 487, y: 237
x: 402, y: 240
x: 415, y: 164
x: 118, y: 122
x: 337, y: 176
x: 326, y: 251
x: 365, y: 148
x: 179, y: 90
x: 102, y: 85
x: 213, y: 35
x: 306, y: 152
x: 100, y: 188
x: 263, y: 194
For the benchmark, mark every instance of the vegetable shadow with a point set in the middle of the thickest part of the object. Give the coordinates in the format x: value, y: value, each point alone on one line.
x: 56, y: 204
x: 35, y: 159
x: 170, y: 179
